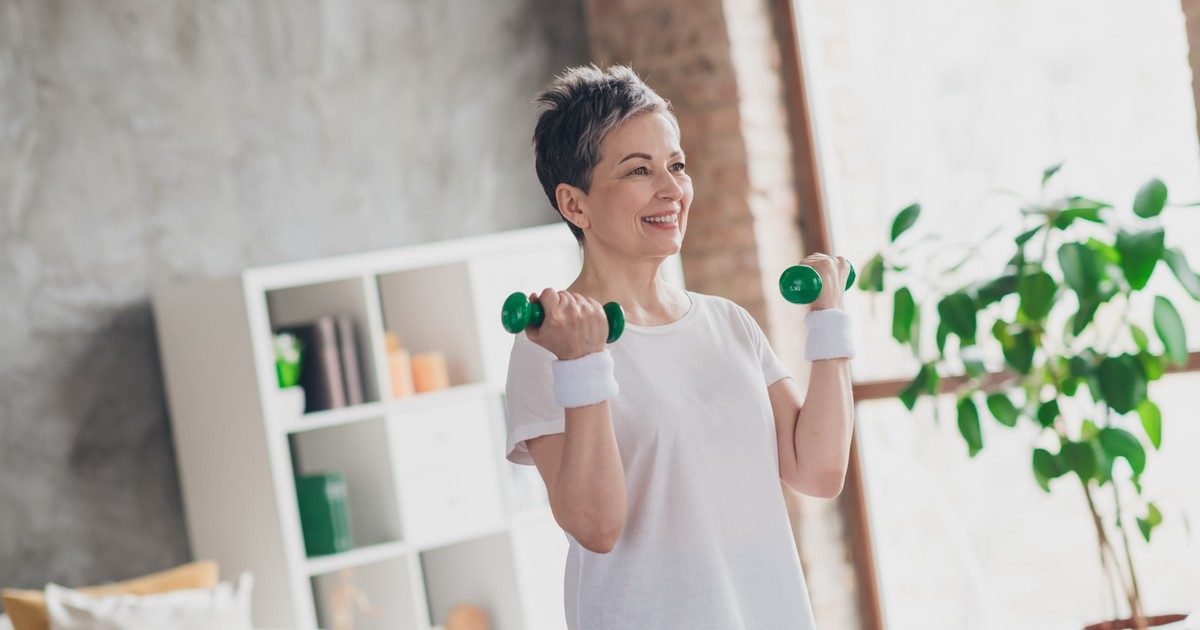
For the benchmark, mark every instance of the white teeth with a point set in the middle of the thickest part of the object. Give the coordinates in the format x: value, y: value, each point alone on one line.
x: 670, y: 219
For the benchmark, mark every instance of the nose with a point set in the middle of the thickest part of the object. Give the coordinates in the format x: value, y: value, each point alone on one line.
x: 670, y: 188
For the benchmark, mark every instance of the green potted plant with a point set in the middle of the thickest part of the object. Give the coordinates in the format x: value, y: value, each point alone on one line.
x: 289, y: 359
x: 1083, y: 388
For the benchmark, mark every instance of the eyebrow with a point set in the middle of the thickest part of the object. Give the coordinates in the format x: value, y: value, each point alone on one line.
x: 644, y: 156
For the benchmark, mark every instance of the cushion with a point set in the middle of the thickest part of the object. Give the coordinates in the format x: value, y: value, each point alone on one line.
x: 225, y: 606
x: 27, y: 608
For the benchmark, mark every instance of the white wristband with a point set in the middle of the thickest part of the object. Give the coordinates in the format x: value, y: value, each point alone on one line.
x: 828, y: 335
x: 584, y: 381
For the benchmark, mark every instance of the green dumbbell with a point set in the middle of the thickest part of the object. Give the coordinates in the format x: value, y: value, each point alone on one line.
x: 519, y: 313
x: 801, y: 284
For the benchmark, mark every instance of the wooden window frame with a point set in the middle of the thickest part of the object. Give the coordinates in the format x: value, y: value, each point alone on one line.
x: 815, y: 235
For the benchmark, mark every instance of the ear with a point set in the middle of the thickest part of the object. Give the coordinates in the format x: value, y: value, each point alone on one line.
x: 571, y: 205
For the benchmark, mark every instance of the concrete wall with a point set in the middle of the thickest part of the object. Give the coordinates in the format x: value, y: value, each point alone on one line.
x: 146, y: 142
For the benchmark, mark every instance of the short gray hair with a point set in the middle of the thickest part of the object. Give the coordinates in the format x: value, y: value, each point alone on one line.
x: 582, y: 105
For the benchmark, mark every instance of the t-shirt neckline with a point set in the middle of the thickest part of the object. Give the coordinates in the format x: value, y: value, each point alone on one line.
x: 666, y: 328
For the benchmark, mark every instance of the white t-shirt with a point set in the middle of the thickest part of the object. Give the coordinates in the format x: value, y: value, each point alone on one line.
x: 707, y: 542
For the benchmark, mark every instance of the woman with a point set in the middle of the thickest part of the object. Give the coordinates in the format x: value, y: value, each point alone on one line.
x: 662, y: 453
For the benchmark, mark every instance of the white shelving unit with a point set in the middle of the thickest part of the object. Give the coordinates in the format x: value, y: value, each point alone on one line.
x: 439, y: 516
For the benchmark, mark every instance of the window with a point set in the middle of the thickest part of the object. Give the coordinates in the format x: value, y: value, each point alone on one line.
x: 948, y: 103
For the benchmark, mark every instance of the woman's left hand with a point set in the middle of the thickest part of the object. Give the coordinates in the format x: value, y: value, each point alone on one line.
x: 833, y: 271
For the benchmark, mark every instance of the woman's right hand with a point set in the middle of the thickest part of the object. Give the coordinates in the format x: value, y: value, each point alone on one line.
x: 574, y: 325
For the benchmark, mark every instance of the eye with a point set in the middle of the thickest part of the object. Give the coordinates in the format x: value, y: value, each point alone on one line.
x: 681, y: 166
x: 635, y: 171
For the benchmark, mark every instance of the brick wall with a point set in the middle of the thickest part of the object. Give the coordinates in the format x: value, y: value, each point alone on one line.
x: 1191, y: 11
x: 718, y: 63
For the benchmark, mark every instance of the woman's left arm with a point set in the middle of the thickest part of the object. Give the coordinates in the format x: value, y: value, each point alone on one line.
x: 814, y: 435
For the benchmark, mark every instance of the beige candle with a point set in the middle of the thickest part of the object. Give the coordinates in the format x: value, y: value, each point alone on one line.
x: 399, y: 366
x: 429, y: 371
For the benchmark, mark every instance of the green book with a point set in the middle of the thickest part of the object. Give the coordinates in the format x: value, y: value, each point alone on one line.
x: 324, y: 513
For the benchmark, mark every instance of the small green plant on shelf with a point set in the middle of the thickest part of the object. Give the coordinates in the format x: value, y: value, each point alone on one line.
x: 288, y: 354
x: 1082, y: 388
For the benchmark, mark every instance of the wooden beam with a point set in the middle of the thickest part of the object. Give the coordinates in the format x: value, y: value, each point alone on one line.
x: 891, y: 388
x: 814, y: 230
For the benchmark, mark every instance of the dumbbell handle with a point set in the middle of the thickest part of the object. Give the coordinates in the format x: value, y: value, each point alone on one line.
x: 519, y: 313
x: 801, y: 284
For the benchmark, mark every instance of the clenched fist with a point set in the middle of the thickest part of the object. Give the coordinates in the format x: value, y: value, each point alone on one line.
x: 833, y: 271
x: 574, y: 325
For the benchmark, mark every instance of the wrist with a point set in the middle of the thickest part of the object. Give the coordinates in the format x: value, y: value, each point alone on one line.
x: 584, y: 380
x: 829, y: 335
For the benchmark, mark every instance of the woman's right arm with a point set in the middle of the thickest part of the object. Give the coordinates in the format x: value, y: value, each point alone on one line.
x: 584, y: 477
x: 581, y: 466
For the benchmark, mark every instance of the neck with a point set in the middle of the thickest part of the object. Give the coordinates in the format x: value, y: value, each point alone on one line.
x: 637, y: 285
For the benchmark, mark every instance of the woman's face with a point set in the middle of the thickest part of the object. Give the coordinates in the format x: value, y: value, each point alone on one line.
x: 640, y: 174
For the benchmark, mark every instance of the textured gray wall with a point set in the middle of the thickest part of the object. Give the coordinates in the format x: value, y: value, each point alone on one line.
x: 146, y: 142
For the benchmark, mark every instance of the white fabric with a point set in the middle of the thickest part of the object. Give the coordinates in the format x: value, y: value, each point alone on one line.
x: 584, y: 381
x: 707, y: 542
x: 5, y: 623
x: 828, y: 335
x: 223, y: 607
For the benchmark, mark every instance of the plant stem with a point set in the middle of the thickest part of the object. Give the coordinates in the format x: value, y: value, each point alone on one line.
x: 1138, y: 615
x: 1105, y: 546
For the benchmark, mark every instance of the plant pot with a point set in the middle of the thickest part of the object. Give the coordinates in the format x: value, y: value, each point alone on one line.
x: 1156, y: 621
x: 290, y: 402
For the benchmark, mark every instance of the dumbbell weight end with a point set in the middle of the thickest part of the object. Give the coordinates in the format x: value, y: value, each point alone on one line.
x: 801, y: 284
x: 518, y: 313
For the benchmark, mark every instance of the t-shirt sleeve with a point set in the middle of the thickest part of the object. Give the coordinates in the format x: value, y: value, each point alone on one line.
x: 772, y: 368
x: 530, y: 408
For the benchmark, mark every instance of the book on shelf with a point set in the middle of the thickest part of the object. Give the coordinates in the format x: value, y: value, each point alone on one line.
x: 324, y: 513
x: 350, y: 363
x: 330, y: 370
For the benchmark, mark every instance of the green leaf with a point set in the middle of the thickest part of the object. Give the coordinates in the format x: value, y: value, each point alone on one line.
x: 1104, y: 461
x: 1003, y: 409
x: 1169, y: 327
x: 1037, y: 294
x: 1089, y: 430
x: 1047, y: 412
x: 968, y: 425
x: 1047, y: 466
x: 1140, y: 251
x: 1179, y: 266
x: 1150, y: 199
x: 1084, y: 363
x: 995, y: 289
x: 1000, y: 332
x: 973, y: 367
x: 1107, y: 252
x: 1139, y: 337
x: 1082, y: 268
x: 1019, y: 353
x: 1086, y: 313
x: 903, y: 309
x: 1024, y: 237
x: 958, y: 312
x: 1087, y: 213
x: 914, y: 340
x: 1151, y: 422
x: 1121, y: 383
x: 1152, y: 519
x: 1049, y: 172
x: 1080, y: 458
x: 925, y: 382
x: 905, y: 219
x: 871, y: 279
x: 943, y: 331
x: 1121, y: 443
x: 1151, y: 365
